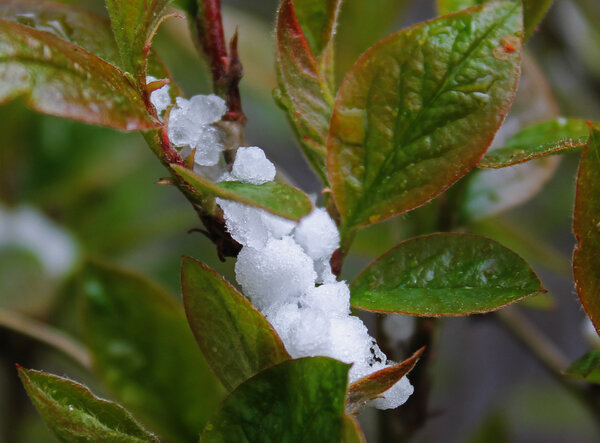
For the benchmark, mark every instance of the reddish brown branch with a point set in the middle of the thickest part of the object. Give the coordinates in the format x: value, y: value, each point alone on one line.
x: 226, y: 69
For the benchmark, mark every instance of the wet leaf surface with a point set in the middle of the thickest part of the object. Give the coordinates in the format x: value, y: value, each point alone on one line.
x: 419, y: 109
x: 297, y: 400
x: 444, y: 275
x: 236, y: 339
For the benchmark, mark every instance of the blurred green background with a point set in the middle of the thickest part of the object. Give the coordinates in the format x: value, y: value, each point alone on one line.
x: 88, y: 191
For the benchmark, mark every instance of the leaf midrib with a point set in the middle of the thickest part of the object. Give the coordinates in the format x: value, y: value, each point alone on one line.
x: 384, y: 169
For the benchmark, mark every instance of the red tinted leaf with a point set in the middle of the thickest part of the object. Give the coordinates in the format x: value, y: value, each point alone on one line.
x: 368, y: 388
x: 59, y: 78
x: 236, y: 339
x: 586, y: 225
x: 303, y: 91
x: 419, y: 109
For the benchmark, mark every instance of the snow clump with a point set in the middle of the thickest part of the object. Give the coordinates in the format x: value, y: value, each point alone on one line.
x: 284, y: 270
x: 191, y: 128
x: 160, y: 98
x: 283, y: 267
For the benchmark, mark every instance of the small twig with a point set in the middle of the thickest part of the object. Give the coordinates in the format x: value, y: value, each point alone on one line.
x: 226, y: 69
x: 532, y: 339
x: 548, y: 355
x: 46, y: 334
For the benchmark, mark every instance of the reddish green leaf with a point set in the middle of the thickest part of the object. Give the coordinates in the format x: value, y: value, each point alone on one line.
x: 586, y: 368
x: 444, y: 275
x: 235, y: 338
x: 419, y: 109
x: 72, y: 24
x: 352, y: 431
x: 145, y: 354
x: 369, y: 388
x: 547, y: 138
x: 62, y: 79
x: 317, y: 19
x: 533, y: 10
x: 74, y: 414
x: 303, y: 90
x: 277, y: 198
x: 134, y: 23
x: 297, y: 400
x: 79, y: 27
x: 586, y: 225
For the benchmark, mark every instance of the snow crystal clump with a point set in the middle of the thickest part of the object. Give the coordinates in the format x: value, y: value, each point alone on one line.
x: 279, y: 272
x: 253, y: 226
x: 160, y: 98
x: 318, y: 234
x: 190, y: 127
x: 284, y: 270
x: 251, y: 166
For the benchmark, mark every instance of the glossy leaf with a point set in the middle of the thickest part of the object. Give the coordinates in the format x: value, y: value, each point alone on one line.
x: 277, y: 198
x: 369, y: 388
x: 533, y: 10
x: 317, y: 20
x: 542, y: 139
x: 75, y: 25
x: 444, y: 275
x: 352, y: 431
x: 236, y: 339
x: 74, y: 414
x: 79, y: 27
x: 134, y: 23
x: 419, y: 109
x: 145, y: 354
x: 297, y: 400
x: 586, y: 368
x: 586, y: 225
x: 303, y: 89
x: 58, y: 78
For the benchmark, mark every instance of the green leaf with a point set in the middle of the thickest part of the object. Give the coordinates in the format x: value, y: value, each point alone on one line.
x: 236, y: 339
x: 317, y: 20
x: 533, y: 11
x: 539, y: 140
x: 419, y: 109
x: 352, y: 432
x: 277, y: 198
x: 58, y: 78
x: 134, y: 23
x: 74, y: 414
x: 586, y: 225
x: 444, y: 275
x: 77, y: 26
x: 369, y: 388
x: 144, y: 352
x: 586, y: 368
x: 297, y: 400
x: 303, y: 90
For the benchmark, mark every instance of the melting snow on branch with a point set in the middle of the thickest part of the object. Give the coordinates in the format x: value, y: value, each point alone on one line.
x: 283, y: 267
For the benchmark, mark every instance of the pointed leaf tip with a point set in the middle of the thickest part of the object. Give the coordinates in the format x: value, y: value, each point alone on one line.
x: 236, y: 339
x: 73, y: 413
